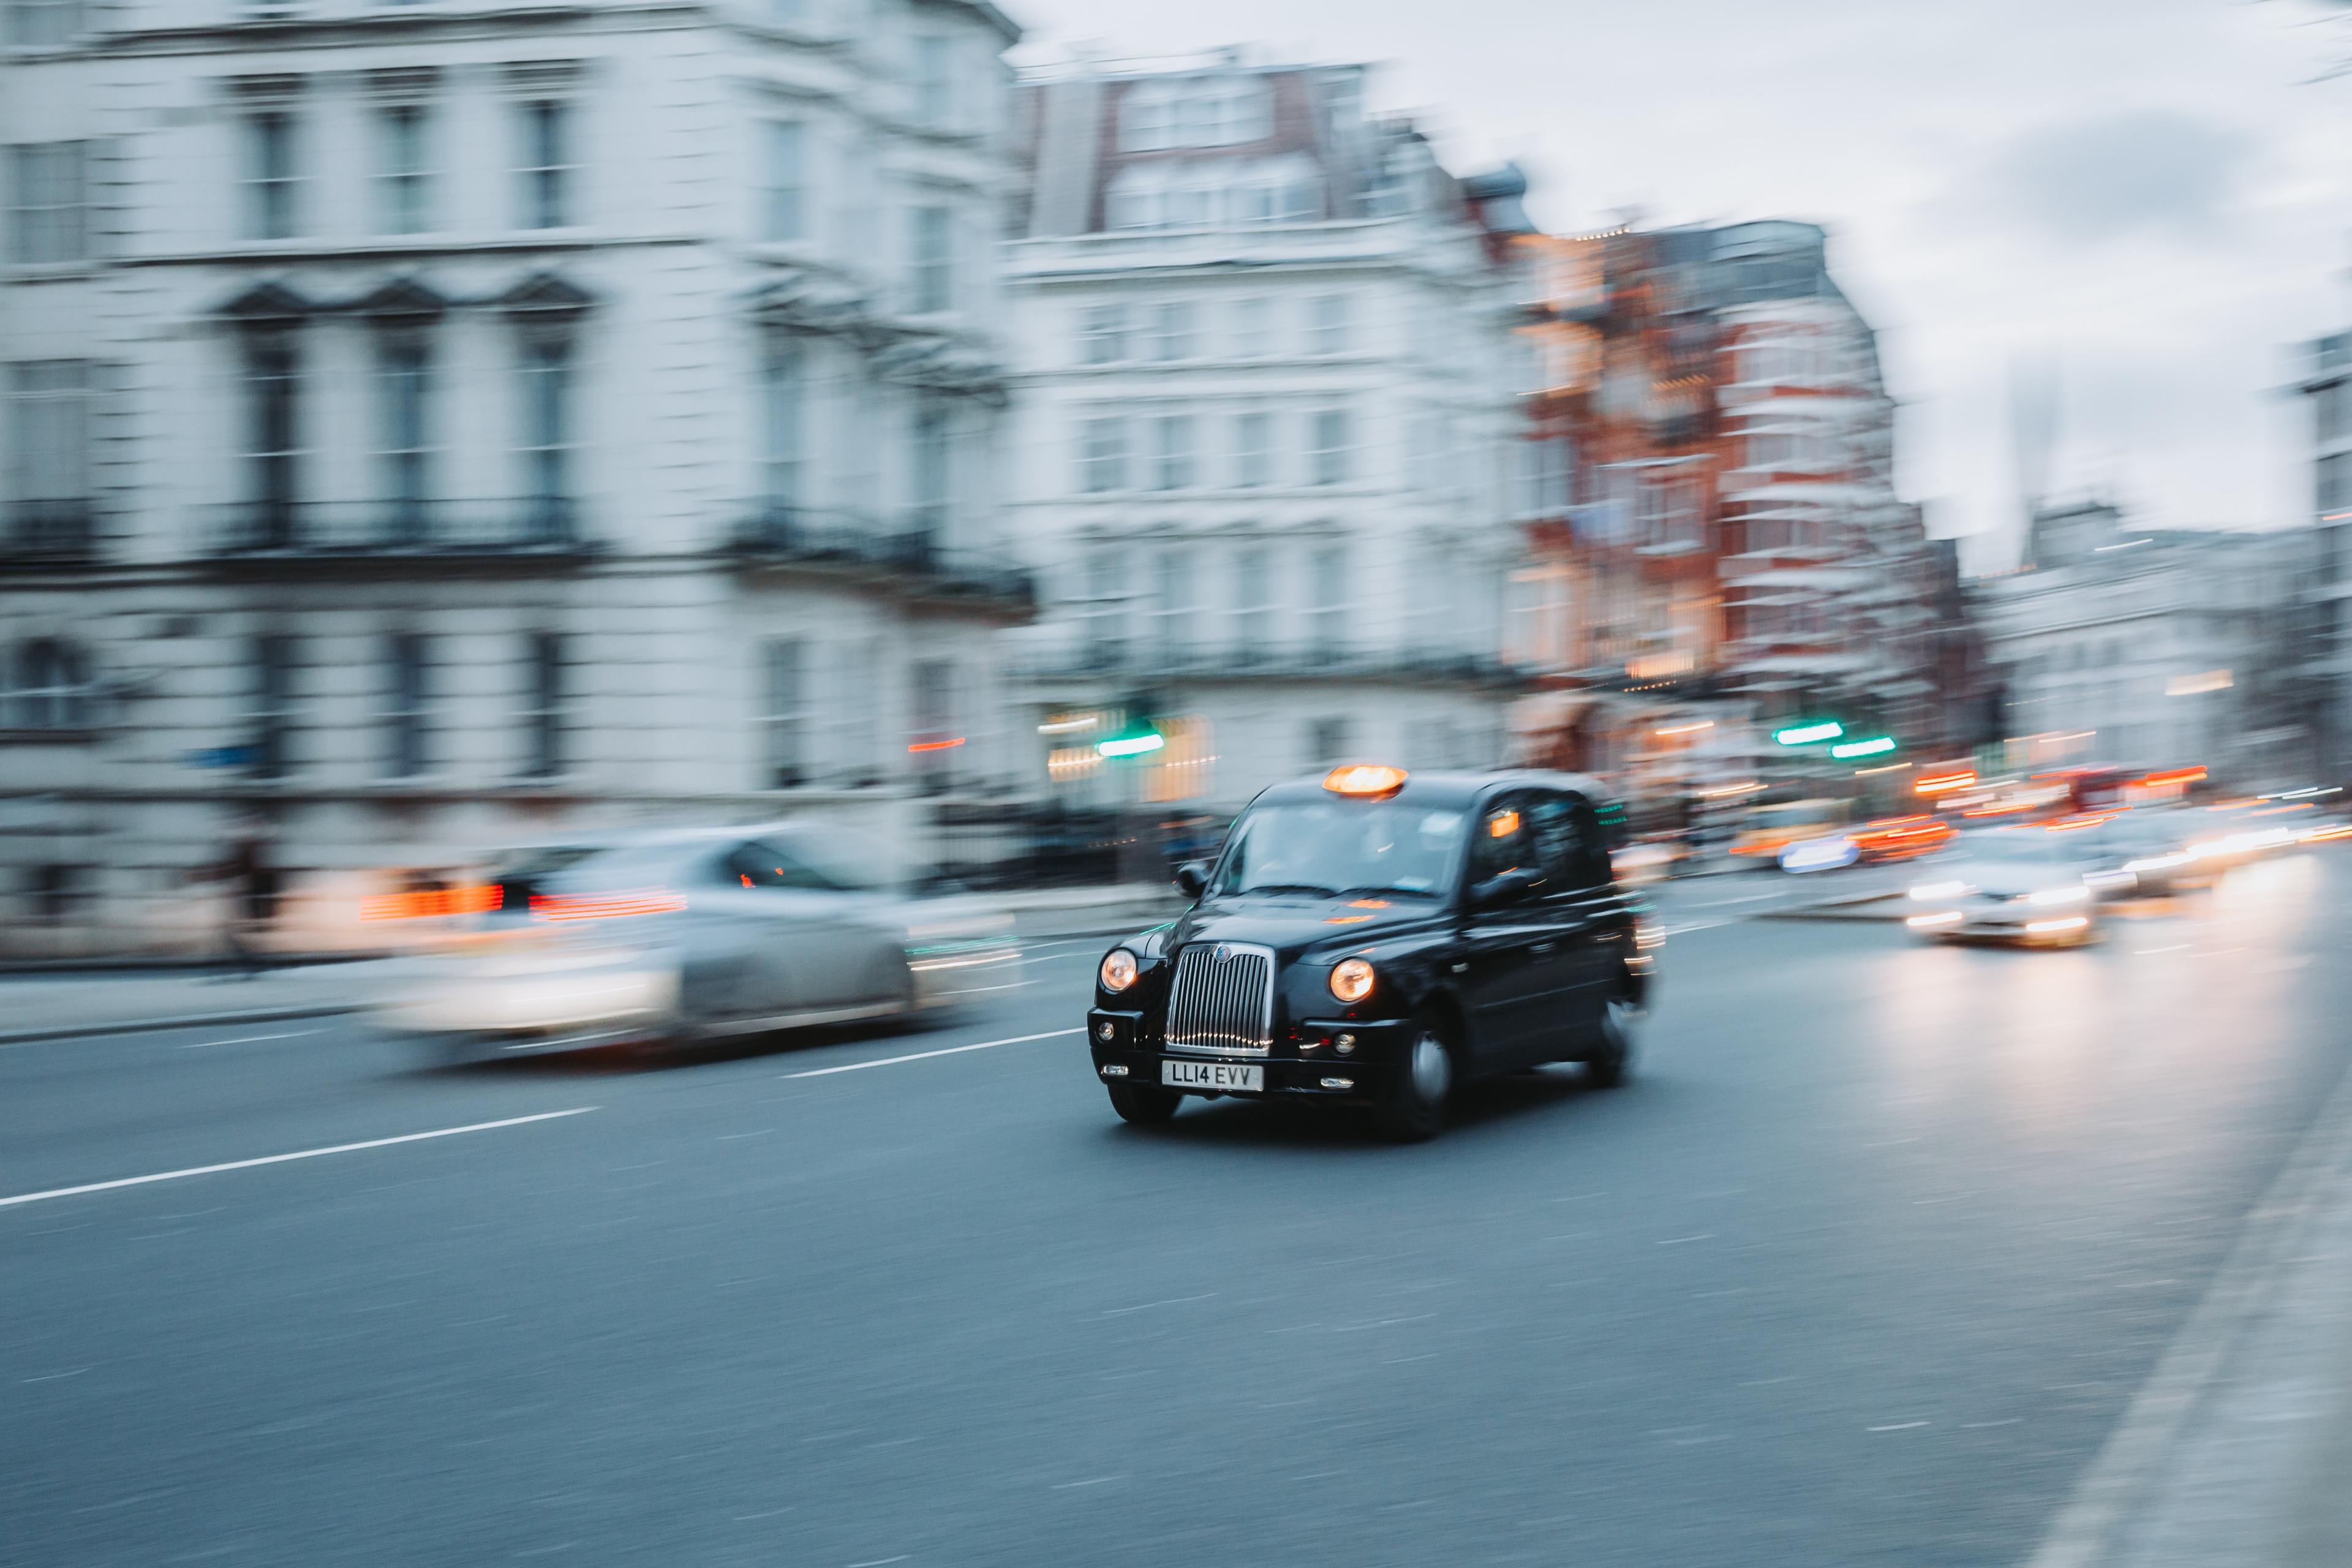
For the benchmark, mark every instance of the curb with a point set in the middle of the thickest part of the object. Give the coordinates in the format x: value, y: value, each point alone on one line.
x: 198, y: 1021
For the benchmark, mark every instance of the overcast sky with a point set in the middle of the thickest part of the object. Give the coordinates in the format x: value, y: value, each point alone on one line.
x: 2153, y: 196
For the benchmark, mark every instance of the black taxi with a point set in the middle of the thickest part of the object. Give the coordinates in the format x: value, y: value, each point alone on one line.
x: 1374, y: 938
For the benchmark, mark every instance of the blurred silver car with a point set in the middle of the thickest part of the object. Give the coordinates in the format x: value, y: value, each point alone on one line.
x: 668, y: 938
x: 2015, y: 884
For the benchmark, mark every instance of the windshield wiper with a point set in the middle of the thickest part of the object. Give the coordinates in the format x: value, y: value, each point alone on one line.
x: 1309, y: 888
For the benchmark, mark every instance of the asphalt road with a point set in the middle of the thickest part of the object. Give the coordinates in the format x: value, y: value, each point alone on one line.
x: 1861, y: 1270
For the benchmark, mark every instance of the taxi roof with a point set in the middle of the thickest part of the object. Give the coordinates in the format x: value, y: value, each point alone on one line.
x: 1446, y: 787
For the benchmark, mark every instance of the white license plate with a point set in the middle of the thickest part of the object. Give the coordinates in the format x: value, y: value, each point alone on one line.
x: 1220, y: 1075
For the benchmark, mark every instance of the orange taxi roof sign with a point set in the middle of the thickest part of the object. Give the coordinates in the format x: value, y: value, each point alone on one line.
x: 1365, y: 779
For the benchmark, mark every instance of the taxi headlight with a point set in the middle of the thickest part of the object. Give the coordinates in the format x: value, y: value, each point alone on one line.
x: 2074, y: 895
x: 1117, y: 972
x: 1351, y: 978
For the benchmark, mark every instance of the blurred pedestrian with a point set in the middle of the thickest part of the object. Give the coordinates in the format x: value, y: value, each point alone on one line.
x: 249, y: 900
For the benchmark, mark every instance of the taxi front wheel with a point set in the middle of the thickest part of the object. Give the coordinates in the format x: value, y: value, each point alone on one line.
x: 1612, y: 1057
x: 1415, y: 1108
x: 1143, y: 1105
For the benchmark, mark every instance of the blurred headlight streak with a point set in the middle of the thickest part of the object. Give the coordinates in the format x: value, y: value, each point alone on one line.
x: 1941, y: 917
x: 2051, y: 928
x: 1940, y: 889
x: 2061, y: 894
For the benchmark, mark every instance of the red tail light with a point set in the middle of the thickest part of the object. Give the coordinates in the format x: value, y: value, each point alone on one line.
x: 426, y: 902
x: 606, y: 906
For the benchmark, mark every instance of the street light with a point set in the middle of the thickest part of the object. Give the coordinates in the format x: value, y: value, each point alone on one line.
x: 1808, y: 734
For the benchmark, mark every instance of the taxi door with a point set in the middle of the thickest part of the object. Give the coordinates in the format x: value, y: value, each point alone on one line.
x: 1503, y: 983
x: 1573, y: 957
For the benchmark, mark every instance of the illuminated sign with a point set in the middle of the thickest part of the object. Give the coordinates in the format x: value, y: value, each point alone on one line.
x: 1808, y: 734
x: 1876, y: 747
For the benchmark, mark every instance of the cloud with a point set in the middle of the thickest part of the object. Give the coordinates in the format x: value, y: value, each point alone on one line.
x: 2139, y: 172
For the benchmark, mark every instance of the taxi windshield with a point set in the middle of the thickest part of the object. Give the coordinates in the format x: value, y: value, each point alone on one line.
x: 1324, y: 848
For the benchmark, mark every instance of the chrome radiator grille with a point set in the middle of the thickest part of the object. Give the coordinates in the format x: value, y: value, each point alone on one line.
x: 1222, y: 1000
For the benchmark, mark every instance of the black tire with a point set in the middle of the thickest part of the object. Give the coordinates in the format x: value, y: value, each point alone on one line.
x: 1612, y: 1061
x: 1143, y: 1105
x: 1414, y: 1110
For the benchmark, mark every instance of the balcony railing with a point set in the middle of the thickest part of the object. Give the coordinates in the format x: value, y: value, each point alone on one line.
x: 49, y: 533
x: 313, y: 530
x: 855, y: 543
x: 1148, y: 659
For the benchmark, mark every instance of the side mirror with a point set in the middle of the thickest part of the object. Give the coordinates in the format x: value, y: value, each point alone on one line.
x: 1506, y: 889
x: 1192, y: 879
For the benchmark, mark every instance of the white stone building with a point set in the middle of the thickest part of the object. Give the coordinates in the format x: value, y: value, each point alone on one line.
x: 2150, y: 647
x: 1265, y: 418
x: 432, y: 424
x: 2326, y: 381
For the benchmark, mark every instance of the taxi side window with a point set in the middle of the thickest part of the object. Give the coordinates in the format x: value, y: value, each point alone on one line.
x: 1563, y: 844
x: 1506, y: 840
x: 759, y: 865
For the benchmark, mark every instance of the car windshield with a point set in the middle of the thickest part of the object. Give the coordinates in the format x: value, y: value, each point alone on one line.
x: 1323, y: 848
x: 2031, y: 848
x: 594, y: 868
x: 844, y: 859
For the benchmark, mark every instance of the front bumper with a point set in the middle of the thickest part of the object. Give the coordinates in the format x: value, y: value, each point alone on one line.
x: 2042, y: 928
x: 1127, y: 1047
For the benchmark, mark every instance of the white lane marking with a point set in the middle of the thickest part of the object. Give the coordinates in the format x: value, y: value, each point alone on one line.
x: 56, y: 1376
x: 281, y: 1159
x: 1098, y: 1480
x: 2176, y: 947
x: 1173, y: 1301
x: 251, y: 1039
x: 1743, y: 899
x: 1679, y: 1240
x: 880, y: 1562
x: 948, y: 1051
x: 1900, y: 1426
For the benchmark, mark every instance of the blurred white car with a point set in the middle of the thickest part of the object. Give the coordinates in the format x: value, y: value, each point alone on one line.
x: 665, y: 937
x: 2017, y: 884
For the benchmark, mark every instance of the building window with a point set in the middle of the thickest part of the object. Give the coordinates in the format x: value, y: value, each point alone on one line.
x: 547, y: 431
x: 270, y: 724
x: 1103, y: 333
x: 404, y: 179
x: 783, y: 713
x: 48, y: 204
x: 53, y: 686
x: 1102, y: 455
x: 930, y: 475
x: 403, y: 376
x: 272, y: 184
x: 1172, y: 331
x: 1327, y: 741
x: 2333, y: 411
x: 936, y: 741
x: 1173, y: 452
x: 546, y: 171
x: 1252, y: 603
x: 44, y: 23
x: 1106, y: 604
x: 1331, y: 333
x: 934, y: 97
x: 784, y: 192
x: 1327, y: 458
x: 784, y: 398
x: 49, y: 454
x: 1252, y: 329
x: 1327, y: 622
x: 1253, y: 450
x: 407, y: 714
x: 543, y: 714
x: 2334, y: 487
x: 932, y: 278
x: 1175, y: 597
x: 273, y: 433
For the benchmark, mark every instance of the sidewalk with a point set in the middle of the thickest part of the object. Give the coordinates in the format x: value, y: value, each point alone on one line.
x: 2237, y: 1452
x: 46, y: 1006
